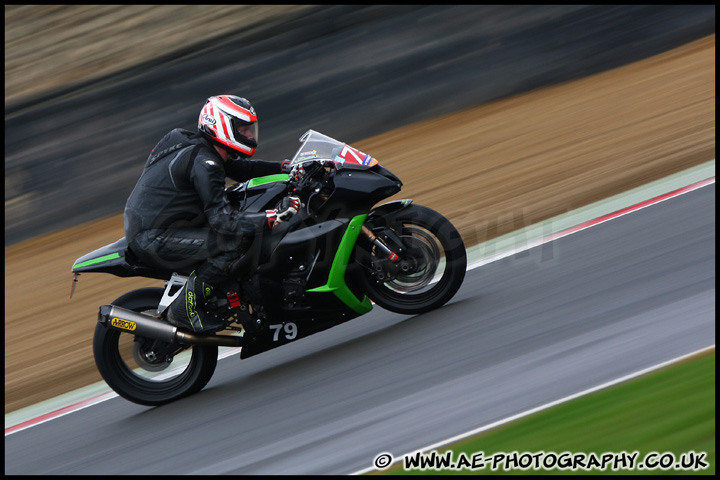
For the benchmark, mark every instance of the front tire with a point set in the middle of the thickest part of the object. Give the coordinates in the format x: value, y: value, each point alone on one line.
x: 439, y: 263
x: 143, y: 370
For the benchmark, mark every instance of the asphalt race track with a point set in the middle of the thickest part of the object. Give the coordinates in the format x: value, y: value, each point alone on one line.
x: 522, y: 332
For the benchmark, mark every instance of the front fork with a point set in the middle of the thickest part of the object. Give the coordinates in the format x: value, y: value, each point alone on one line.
x: 380, y: 245
x: 391, y: 258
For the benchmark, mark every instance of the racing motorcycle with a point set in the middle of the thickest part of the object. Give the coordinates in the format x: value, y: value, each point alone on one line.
x: 325, y: 266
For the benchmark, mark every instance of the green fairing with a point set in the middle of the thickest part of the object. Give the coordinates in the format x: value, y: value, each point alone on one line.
x: 336, y: 278
x: 280, y: 177
x: 93, y: 261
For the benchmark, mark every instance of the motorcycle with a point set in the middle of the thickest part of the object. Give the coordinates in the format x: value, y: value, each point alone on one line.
x: 323, y: 267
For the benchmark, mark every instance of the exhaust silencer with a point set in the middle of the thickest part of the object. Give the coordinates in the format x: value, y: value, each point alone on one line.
x: 124, y: 320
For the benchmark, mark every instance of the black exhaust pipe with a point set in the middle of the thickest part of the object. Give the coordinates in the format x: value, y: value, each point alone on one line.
x: 124, y: 320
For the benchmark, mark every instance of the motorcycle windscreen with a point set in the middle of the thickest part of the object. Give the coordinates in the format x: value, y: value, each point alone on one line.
x: 317, y: 146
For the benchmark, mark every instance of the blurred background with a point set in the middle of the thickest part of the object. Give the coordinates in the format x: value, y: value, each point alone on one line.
x: 89, y: 90
x: 496, y: 116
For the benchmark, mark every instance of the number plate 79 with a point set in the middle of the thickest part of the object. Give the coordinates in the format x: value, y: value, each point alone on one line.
x: 288, y: 330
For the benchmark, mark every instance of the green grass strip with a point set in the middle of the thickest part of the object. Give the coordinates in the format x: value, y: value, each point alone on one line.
x: 670, y: 412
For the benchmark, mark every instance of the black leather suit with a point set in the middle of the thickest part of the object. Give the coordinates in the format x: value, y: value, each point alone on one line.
x: 178, y: 216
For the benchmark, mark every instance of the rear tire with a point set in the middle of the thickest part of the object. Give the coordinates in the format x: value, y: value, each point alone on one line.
x: 124, y: 371
x: 437, y: 244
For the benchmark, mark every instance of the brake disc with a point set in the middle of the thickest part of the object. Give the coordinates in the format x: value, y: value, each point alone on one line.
x: 149, y: 359
x: 421, y: 246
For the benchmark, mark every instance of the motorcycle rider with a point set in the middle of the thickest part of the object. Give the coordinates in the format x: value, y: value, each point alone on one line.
x: 178, y: 215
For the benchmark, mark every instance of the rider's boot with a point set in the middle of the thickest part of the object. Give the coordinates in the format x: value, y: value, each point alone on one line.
x: 191, y: 309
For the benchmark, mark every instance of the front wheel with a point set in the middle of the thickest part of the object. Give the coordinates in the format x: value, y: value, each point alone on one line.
x: 431, y: 267
x: 146, y: 371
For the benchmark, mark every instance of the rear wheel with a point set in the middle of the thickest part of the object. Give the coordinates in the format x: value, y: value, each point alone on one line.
x: 429, y: 271
x: 147, y: 371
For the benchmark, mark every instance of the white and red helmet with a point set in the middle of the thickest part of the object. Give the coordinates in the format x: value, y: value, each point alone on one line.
x: 230, y: 122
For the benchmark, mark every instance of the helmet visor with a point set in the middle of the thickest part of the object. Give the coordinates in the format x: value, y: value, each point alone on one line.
x: 246, y: 133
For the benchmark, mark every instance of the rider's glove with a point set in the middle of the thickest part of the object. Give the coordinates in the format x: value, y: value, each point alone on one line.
x: 285, y: 166
x: 289, y: 206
